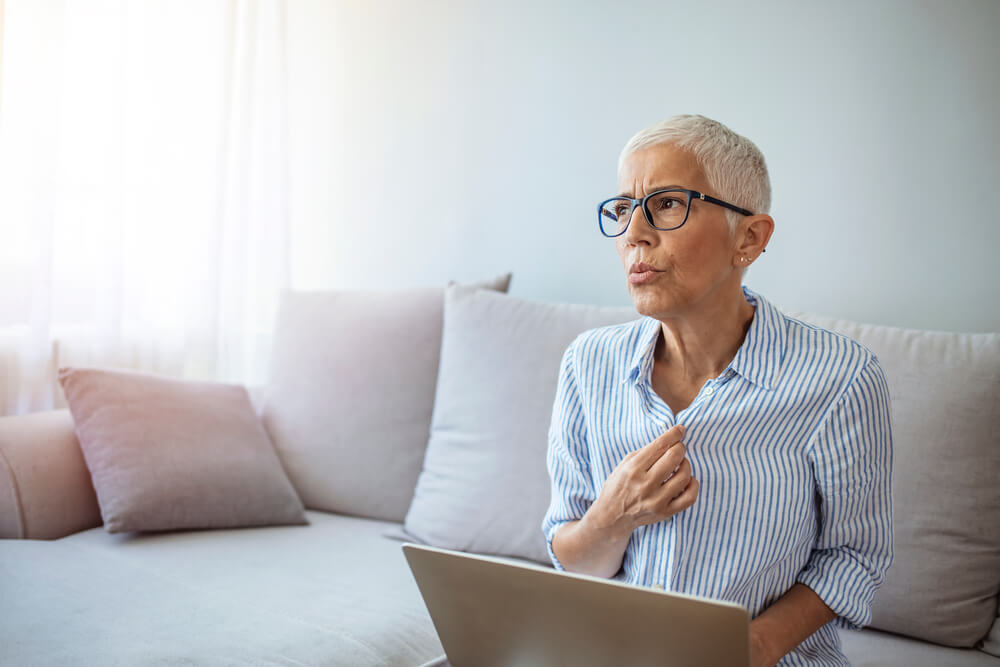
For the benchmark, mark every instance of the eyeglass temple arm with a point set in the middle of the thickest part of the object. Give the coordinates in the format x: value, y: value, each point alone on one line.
x: 713, y: 200
x: 731, y: 207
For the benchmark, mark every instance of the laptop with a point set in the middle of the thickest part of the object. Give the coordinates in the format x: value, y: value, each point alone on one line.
x: 490, y: 612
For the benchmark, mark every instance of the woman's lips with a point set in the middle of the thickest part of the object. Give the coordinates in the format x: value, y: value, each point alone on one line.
x: 640, y: 273
x: 643, y: 277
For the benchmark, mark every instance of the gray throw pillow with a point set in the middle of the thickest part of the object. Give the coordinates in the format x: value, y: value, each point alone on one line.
x: 484, y: 487
x: 169, y: 454
x: 942, y: 586
x: 351, y: 388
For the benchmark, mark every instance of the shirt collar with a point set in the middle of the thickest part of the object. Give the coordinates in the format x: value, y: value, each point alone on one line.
x: 645, y: 346
x: 758, y: 360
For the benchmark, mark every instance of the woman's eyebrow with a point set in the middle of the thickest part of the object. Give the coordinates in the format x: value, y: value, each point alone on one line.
x: 654, y: 189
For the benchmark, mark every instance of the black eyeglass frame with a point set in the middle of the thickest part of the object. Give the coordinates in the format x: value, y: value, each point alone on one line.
x: 642, y: 203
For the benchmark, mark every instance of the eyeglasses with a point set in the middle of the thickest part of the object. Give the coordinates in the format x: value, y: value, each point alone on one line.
x: 664, y: 209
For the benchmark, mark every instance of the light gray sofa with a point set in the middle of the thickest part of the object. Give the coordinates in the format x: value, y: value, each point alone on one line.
x: 358, y: 382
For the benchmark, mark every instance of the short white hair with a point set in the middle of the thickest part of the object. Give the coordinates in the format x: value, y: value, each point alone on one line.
x: 733, y: 164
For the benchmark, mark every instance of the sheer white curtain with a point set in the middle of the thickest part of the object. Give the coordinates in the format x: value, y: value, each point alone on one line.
x: 143, y: 190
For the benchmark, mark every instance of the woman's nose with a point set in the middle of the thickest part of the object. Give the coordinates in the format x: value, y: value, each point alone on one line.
x: 639, y: 229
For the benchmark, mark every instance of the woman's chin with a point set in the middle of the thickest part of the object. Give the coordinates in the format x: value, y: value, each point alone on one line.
x: 648, y: 302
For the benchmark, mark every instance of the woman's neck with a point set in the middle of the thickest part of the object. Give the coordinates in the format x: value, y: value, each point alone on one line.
x: 700, y: 344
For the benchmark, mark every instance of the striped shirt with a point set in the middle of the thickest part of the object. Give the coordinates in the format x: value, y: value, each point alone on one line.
x: 791, y: 445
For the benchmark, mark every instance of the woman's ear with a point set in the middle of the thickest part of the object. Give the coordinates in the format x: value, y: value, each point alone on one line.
x: 754, y: 234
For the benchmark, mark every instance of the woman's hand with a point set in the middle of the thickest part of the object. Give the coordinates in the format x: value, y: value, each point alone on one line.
x: 648, y: 485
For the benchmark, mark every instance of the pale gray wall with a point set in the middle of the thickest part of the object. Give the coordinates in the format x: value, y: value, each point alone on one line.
x: 437, y: 123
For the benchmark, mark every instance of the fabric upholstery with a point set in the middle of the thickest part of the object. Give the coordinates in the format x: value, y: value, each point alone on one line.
x: 331, y: 593
x: 45, y: 487
x: 484, y: 486
x: 334, y: 592
x: 991, y: 644
x: 943, y: 584
x: 871, y: 648
x: 350, y: 394
x: 169, y: 454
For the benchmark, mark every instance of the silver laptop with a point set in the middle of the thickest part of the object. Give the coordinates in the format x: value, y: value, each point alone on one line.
x: 490, y: 611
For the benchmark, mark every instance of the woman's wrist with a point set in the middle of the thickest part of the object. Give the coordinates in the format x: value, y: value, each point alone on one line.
x: 615, y: 529
x: 789, y: 621
x: 762, y: 650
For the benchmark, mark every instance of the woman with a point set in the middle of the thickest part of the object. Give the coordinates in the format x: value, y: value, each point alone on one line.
x: 716, y: 446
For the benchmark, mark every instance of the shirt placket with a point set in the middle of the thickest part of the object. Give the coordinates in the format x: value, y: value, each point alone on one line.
x: 664, y: 418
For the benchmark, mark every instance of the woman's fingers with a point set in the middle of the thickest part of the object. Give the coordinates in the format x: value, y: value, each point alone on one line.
x: 650, y: 484
x: 686, y: 497
x: 667, y: 464
x: 677, y: 482
x: 651, y: 453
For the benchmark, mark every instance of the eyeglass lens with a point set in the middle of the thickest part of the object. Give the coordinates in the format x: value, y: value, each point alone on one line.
x: 667, y: 208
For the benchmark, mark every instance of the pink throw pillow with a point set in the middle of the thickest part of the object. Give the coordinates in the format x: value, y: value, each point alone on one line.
x: 168, y: 454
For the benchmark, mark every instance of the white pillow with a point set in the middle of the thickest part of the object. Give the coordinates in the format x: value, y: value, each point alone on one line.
x: 484, y: 487
x: 349, y: 398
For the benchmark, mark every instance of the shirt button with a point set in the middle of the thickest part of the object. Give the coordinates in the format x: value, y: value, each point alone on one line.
x: 658, y: 587
x: 709, y: 391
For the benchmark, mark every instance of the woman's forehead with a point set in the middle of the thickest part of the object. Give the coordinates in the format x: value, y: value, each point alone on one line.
x: 659, y: 166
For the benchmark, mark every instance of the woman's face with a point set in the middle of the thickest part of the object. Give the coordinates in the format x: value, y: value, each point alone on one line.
x: 694, y: 264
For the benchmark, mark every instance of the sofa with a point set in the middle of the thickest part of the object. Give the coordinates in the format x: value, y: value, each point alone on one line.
x: 421, y: 416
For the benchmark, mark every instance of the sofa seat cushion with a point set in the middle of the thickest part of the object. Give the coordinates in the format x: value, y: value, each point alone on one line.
x: 334, y: 592
x: 871, y: 648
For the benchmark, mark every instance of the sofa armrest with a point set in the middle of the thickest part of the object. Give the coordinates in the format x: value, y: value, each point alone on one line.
x: 45, y: 487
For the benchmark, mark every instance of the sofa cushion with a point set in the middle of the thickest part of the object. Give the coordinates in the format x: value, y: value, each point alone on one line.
x: 991, y: 644
x: 871, y: 648
x: 169, y: 454
x: 331, y: 593
x: 350, y: 394
x: 484, y: 486
x: 943, y: 583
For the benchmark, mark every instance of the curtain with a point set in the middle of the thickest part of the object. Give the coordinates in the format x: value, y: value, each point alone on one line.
x: 143, y: 190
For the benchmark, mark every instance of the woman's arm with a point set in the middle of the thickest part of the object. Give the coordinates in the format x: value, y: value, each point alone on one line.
x: 785, y: 624
x: 587, y: 547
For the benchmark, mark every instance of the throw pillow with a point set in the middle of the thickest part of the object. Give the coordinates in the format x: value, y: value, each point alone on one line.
x: 484, y: 487
x: 350, y: 393
x: 168, y: 454
x: 942, y: 586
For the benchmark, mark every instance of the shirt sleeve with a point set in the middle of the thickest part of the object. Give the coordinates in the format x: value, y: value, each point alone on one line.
x: 566, y: 459
x: 852, y: 462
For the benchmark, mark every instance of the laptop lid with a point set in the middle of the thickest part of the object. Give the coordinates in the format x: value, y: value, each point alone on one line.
x: 491, y: 612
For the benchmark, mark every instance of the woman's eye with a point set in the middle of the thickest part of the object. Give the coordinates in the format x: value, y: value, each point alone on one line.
x: 669, y: 203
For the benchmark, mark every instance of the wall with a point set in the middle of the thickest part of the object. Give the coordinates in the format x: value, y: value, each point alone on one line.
x: 440, y: 140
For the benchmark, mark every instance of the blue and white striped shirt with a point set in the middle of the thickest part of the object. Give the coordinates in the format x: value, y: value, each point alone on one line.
x: 791, y: 445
